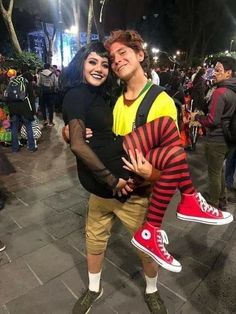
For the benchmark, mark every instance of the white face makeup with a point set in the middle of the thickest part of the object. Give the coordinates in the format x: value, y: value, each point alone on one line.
x: 96, y: 69
x: 220, y: 74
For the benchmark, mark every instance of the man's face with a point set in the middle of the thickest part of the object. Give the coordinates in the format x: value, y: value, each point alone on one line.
x: 125, y: 62
x: 220, y: 74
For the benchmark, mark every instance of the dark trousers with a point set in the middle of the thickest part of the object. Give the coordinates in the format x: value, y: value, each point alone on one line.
x: 230, y: 167
x: 16, y: 120
x: 215, y: 155
x: 47, y: 106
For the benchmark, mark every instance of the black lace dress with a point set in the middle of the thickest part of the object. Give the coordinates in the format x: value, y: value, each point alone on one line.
x: 99, y: 162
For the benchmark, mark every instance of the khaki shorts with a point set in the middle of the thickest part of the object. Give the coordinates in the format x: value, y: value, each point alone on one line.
x: 101, y: 216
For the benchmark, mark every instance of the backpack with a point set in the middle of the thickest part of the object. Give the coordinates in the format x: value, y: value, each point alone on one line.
x: 229, y: 130
x: 146, y: 104
x: 47, y: 84
x: 16, y: 89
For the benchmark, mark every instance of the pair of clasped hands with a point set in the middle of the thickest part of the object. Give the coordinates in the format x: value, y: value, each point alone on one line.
x: 137, y: 164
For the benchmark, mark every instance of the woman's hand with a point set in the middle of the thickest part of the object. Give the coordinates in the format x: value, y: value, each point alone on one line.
x: 88, y: 134
x: 123, y: 187
x: 138, y: 164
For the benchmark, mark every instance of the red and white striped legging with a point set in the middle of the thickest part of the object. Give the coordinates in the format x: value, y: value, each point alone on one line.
x: 160, y: 143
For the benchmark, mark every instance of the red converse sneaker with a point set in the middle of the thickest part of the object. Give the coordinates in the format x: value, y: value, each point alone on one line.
x: 195, y: 208
x: 151, y: 240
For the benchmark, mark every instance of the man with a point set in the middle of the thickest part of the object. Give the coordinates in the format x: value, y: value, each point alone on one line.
x: 221, y: 108
x: 47, y: 84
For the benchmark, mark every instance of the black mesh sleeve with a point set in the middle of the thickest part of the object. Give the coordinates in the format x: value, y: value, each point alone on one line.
x: 82, y: 151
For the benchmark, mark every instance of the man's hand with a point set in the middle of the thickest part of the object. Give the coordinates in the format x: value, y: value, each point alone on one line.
x: 138, y: 164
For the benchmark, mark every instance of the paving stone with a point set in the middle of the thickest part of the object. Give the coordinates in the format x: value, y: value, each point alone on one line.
x: 64, y: 199
x: 7, y: 225
x: 194, y: 308
x: 34, y: 194
x: 128, y: 299
x: 52, y: 298
x: 217, y: 292
x: 3, y: 310
x: 4, y: 259
x: 52, y: 260
x: 184, y: 283
x: 76, y: 239
x: 15, y: 279
x: 202, y: 248
x: 123, y: 254
x: 62, y: 224
x: 80, y: 207
x: 223, y: 233
x: 77, y: 279
x: 100, y: 307
x: 31, y: 214
x: 25, y: 241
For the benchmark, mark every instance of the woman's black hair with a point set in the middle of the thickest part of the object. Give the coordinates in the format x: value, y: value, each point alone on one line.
x: 73, y: 75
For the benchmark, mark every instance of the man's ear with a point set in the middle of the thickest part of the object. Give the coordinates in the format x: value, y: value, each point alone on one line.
x: 140, y: 56
x: 229, y: 74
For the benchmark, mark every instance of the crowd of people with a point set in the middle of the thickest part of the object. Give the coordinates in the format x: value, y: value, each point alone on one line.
x: 132, y: 169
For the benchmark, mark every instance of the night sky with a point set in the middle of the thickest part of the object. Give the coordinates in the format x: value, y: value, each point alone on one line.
x: 168, y: 24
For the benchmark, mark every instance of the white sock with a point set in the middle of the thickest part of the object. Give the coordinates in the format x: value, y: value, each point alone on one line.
x: 151, y: 284
x: 94, y: 281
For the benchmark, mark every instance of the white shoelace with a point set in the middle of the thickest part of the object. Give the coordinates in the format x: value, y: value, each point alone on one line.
x: 163, y: 239
x: 205, y: 206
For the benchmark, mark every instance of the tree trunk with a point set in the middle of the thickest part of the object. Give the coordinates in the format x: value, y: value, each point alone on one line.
x: 51, y: 40
x: 7, y: 16
x: 76, y: 15
x: 90, y: 21
x: 98, y: 10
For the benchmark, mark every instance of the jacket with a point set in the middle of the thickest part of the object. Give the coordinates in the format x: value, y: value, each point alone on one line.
x: 221, y: 108
x: 47, y: 79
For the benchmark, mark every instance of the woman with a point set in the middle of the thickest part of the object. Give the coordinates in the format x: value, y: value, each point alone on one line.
x: 86, y: 104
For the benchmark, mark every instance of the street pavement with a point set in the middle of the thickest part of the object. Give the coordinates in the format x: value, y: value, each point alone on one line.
x: 43, y: 269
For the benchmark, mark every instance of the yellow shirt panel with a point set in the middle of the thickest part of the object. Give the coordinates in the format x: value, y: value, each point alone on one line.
x: 124, y: 116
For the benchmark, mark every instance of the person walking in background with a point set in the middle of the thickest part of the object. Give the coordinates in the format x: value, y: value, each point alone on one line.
x: 47, y: 84
x: 221, y: 108
x: 22, y: 111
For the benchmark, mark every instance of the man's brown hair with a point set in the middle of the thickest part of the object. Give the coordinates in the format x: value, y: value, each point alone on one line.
x: 131, y: 39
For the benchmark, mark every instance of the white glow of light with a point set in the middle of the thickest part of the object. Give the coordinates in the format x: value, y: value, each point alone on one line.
x: 178, y: 52
x: 72, y: 30
x: 155, y: 50
x: 145, y: 45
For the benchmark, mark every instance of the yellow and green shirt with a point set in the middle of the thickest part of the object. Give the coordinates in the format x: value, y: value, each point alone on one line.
x: 124, y: 116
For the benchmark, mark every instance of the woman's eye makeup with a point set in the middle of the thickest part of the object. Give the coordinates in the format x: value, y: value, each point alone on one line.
x: 92, y: 62
x: 105, y: 65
